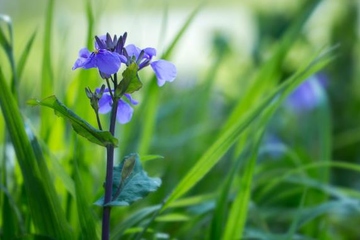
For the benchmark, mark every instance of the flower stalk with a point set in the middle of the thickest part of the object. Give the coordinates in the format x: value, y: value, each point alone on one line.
x: 109, y: 169
x: 109, y: 55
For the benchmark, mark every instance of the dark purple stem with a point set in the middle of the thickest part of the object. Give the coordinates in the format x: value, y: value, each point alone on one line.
x: 109, y: 171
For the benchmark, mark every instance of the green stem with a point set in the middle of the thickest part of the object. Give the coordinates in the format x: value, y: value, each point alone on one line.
x: 109, y: 169
x: 98, y: 120
x: 109, y: 87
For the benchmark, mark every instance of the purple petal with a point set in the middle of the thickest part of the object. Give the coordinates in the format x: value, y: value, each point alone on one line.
x: 124, y: 112
x: 102, y: 38
x: 165, y: 71
x: 132, y: 101
x: 149, y: 52
x: 105, y: 103
x: 107, y: 62
x: 84, y: 53
x: 104, y: 75
x: 307, y: 96
x: 123, y: 59
x: 85, y: 59
x: 132, y: 50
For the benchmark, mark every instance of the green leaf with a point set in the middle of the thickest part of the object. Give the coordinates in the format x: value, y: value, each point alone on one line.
x: 130, y: 182
x: 130, y: 82
x: 83, y: 128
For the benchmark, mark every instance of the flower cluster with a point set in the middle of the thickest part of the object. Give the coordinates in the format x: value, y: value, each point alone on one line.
x: 110, y: 53
x: 124, y: 110
x: 108, y: 56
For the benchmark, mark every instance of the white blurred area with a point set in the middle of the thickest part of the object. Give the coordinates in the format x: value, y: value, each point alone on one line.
x: 148, y: 25
x: 152, y: 24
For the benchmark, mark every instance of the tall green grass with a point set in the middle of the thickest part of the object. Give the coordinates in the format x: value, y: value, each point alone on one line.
x: 221, y: 178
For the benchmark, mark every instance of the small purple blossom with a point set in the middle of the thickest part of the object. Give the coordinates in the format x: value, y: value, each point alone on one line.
x: 107, y: 62
x: 165, y: 71
x: 308, y: 95
x: 106, y: 56
x: 124, y: 109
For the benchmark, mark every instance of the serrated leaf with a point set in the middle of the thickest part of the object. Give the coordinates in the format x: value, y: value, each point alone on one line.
x: 130, y: 82
x: 130, y: 182
x: 83, y: 128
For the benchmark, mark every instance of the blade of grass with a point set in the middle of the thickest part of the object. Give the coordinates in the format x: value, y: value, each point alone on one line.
x: 24, y: 56
x: 142, y: 214
x: 232, y: 134
x: 85, y: 214
x: 12, y: 224
x: 292, y: 230
x: 269, y: 73
x: 220, y: 212
x: 238, y: 212
x: 275, y: 181
x: 8, y: 45
x: 133, y: 220
x: 149, y: 109
x: 90, y: 20
x: 47, y: 77
x: 44, y: 205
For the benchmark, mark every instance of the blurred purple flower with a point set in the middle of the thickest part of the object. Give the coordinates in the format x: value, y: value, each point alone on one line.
x: 165, y: 71
x: 272, y: 146
x: 308, y: 95
x: 124, y: 109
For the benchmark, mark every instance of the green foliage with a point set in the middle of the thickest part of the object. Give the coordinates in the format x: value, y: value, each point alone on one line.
x: 45, y: 207
x: 82, y: 127
x: 130, y: 182
x: 130, y: 82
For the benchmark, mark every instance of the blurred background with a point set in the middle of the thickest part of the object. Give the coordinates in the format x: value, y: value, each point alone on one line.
x: 218, y: 55
x: 239, y: 32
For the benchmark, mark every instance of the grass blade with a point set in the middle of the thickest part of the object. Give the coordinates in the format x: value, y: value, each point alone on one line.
x: 44, y: 204
x: 85, y: 213
x: 232, y: 134
x: 152, y: 92
x: 47, y: 77
x: 25, y: 54
x: 220, y: 212
x: 238, y: 213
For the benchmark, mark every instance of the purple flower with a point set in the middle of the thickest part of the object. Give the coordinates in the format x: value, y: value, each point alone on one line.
x: 107, y: 62
x: 308, y: 95
x: 124, y: 110
x: 165, y: 71
x: 106, y: 57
